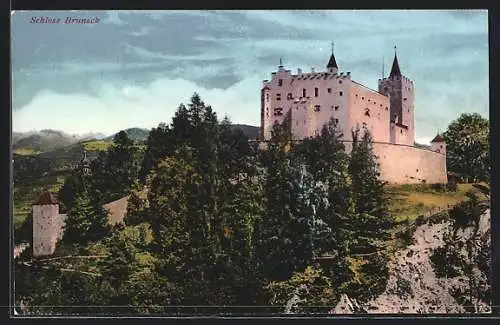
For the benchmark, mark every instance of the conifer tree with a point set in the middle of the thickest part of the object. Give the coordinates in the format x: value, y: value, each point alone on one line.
x: 285, y: 243
x: 372, y: 221
x: 86, y: 222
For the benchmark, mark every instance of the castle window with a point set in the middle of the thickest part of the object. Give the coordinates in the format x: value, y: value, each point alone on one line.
x: 369, y: 100
x: 278, y: 111
x: 316, y: 92
x: 340, y: 81
x: 401, y: 131
x: 356, y: 95
x: 417, y: 170
x: 404, y: 99
x: 303, y: 92
x: 367, y: 112
x: 336, y: 121
x: 317, y: 108
x: 381, y: 105
x: 329, y: 90
x: 280, y: 82
x: 363, y: 98
x: 374, y: 102
x: 278, y: 96
x: 337, y: 107
x: 267, y: 96
x: 441, y: 147
x: 386, y: 108
x: 340, y: 93
x: 289, y: 96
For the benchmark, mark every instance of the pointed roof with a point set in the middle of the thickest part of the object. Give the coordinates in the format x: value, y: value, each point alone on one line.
x: 46, y: 198
x: 438, y: 138
x: 395, y: 71
x: 332, y: 63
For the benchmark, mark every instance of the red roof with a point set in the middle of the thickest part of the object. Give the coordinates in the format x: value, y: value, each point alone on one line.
x: 438, y: 138
x: 46, y: 198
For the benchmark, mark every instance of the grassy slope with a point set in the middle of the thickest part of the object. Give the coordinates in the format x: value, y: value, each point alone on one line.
x: 410, y: 201
x: 24, y: 194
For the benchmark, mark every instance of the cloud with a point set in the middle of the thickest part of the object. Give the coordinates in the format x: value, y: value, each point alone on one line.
x: 114, y: 108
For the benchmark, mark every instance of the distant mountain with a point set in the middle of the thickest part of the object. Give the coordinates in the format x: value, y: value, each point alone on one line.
x: 41, y: 141
x: 252, y: 132
x: 136, y: 134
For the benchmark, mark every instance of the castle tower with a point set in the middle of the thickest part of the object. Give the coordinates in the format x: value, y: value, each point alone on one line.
x: 46, y: 224
x: 438, y: 144
x: 332, y: 63
x: 401, y: 92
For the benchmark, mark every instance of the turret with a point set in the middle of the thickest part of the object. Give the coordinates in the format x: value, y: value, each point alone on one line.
x: 332, y: 66
x: 438, y: 144
x: 401, y: 94
x: 46, y: 224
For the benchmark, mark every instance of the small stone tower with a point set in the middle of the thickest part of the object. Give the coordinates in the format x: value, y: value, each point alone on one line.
x: 332, y: 63
x: 401, y: 92
x: 438, y: 144
x: 47, y: 224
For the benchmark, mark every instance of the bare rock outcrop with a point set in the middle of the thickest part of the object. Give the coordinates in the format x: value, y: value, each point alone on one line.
x: 413, y: 286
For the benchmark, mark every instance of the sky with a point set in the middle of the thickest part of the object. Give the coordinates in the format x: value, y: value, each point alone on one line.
x: 134, y: 68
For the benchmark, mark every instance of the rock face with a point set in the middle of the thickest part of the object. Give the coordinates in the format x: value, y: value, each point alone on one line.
x: 413, y: 286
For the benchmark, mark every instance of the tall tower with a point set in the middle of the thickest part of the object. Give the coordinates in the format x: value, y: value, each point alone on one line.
x: 401, y: 92
x: 332, y: 63
x: 46, y: 224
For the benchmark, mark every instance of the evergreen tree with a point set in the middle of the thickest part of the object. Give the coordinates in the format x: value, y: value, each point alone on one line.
x: 285, y: 243
x: 372, y: 221
x: 86, y: 221
x: 159, y: 145
x: 114, y: 172
x: 137, y: 207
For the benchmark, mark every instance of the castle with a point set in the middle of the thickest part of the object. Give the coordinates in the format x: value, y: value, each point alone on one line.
x: 310, y: 100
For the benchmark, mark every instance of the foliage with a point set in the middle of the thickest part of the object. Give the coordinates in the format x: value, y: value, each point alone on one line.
x: 309, y: 291
x: 85, y: 222
x: 467, y: 147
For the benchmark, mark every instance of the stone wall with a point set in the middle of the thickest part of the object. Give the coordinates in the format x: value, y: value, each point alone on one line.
x: 400, y: 164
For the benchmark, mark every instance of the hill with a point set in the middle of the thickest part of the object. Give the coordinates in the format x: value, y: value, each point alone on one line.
x: 44, y: 140
x: 135, y: 134
x: 30, y: 143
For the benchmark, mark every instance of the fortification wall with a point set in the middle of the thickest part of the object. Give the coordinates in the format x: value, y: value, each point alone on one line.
x: 401, y: 164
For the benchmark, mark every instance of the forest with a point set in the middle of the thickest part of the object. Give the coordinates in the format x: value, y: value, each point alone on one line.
x: 216, y: 224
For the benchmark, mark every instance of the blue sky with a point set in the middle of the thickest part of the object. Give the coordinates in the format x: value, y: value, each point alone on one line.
x: 133, y: 69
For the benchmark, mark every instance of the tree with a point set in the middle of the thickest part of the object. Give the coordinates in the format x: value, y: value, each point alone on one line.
x: 372, y: 221
x: 467, y: 147
x: 158, y: 146
x: 328, y: 162
x: 285, y: 243
x: 137, y: 207
x: 73, y: 186
x: 86, y: 222
x: 370, y: 225
x: 114, y: 171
